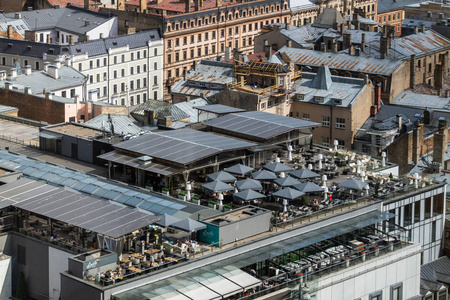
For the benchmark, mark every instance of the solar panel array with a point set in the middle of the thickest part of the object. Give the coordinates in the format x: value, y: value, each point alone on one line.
x: 258, y: 124
x: 182, y: 146
x: 77, y: 209
x: 93, y: 186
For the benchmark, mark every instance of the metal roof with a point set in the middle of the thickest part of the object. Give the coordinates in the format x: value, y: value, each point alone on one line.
x: 108, y: 190
x: 387, y: 5
x: 122, y: 124
x: 190, y: 108
x: 411, y: 99
x: 182, y: 146
x: 258, y: 124
x: 329, y: 17
x: 40, y: 80
x: 211, y: 71
x: 342, y: 61
x: 6, y: 109
x: 219, y: 109
x: 93, y: 214
x: 441, y: 265
x: 69, y: 19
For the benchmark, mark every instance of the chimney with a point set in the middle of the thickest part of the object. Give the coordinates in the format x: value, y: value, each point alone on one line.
x: 323, y: 47
x: 53, y: 72
x: 48, y: 39
x: 412, y: 70
x: 58, y: 63
x: 366, y: 79
x: 2, y: 75
x: 399, y: 121
x: 363, y: 42
x: 68, y: 61
x: 378, y: 96
x: 373, y: 110
x: 357, y: 51
x: 440, y: 142
x: 417, y: 141
x: 197, y: 5
x: 10, y: 32
x: 167, y: 121
x: 416, y: 30
x: 187, y: 5
x: 18, y: 15
x: 288, y: 26
x: 384, y: 50
x: 429, y: 14
x: 289, y: 43
x: 342, y: 28
x: 8, y: 85
x: 27, y: 90
x: 218, y: 3
x: 48, y: 96
x: 142, y: 5
x: 347, y: 40
x: 13, y: 73
x: 70, y: 39
x: 87, y: 4
x: 149, y: 117
x: 422, y: 28
x: 46, y: 64
x: 268, y: 50
x: 27, y: 70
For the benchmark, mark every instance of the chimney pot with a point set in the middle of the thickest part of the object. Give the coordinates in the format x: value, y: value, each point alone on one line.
x: 399, y: 121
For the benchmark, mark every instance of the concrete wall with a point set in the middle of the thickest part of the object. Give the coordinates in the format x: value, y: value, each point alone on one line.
x: 245, y: 228
x: 73, y: 288
x: 245, y: 101
x: 58, y: 262
x: 84, y: 148
x: 402, y: 266
x: 5, y: 277
x: 127, y: 19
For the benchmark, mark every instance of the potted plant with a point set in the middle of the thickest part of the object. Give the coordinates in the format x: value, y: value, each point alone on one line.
x: 165, y: 191
x: 227, y: 207
x: 149, y: 186
x: 196, y: 199
x: 212, y: 204
x: 182, y: 196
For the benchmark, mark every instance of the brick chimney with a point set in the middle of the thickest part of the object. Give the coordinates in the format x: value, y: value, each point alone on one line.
x: 70, y: 39
x: 412, y: 70
x: 142, y: 5
x: 87, y: 4
x: 440, y: 142
x: 384, y: 49
x: 378, y: 96
x: 149, y: 117
x: 417, y: 139
x: 187, y: 5
x: 363, y: 41
x: 10, y: 32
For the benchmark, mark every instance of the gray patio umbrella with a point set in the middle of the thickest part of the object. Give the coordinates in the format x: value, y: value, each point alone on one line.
x: 222, y: 176
x: 287, y: 181
x: 303, y: 174
x: 264, y: 175
x: 239, y: 169
x: 308, y: 187
x: 248, y: 195
x: 277, y: 167
x: 188, y: 225
x: 353, y: 184
x: 288, y: 193
x: 247, y: 184
x: 167, y: 220
x: 217, y: 186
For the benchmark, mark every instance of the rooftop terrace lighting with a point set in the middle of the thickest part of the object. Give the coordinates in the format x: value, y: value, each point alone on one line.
x: 188, y: 191
x: 290, y: 152
x: 336, y: 144
x: 367, y: 187
x: 220, y: 201
x: 320, y: 161
x: 282, y: 175
x: 363, y: 176
x: 277, y: 159
x: 416, y: 180
x: 325, y: 191
x: 383, y: 157
x: 359, y: 164
x: 324, y: 179
x: 310, y: 167
x: 285, y: 204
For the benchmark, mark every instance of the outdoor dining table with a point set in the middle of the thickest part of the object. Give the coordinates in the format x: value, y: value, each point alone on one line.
x: 152, y: 251
x: 134, y: 269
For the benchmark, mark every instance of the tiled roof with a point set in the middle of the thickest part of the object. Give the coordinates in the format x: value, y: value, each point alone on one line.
x: 342, y: 61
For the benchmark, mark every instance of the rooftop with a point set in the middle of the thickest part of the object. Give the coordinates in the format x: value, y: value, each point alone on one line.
x: 75, y: 130
x: 120, y: 124
x: 4, y: 109
x: 341, y: 61
x: 410, y: 99
x: 388, y: 5
x: 70, y: 19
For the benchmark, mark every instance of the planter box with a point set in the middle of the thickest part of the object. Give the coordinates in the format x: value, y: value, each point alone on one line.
x: 213, y: 206
x: 149, y: 187
x: 226, y: 209
x: 165, y: 193
x: 182, y: 197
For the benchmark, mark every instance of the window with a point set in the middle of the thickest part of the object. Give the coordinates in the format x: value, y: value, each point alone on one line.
x: 115, y: 89
x: 417, y: 211
x: 155, y: 80
x: 263, y: 105
x: 429, y: 67
x: 91, y: 79
x: 138, y: 55
x: 145, y: 53
x: 325, y: 121
x: 144, y: 81
x: 269, y: 104
x: 115, y: 60
x: 105, y: 76
x: 122, y: 87
x: 177, y: 57
x: 98, y: 63
x: 222, y: 33
x: 131, y: 70
x: 138, y: 69
x: 376, y: 296
x: 199, y: 51
x: 36, y: 64
x: 184, y: 55
x: 80, y: 67
x: 115, y: 74
x: 131, y: 85
x: 21, y: 255
x: 306, y: 116
x: 428, y: 208
x: 206, y: 36
x: 144, y: 97
x: 438, y: 204
x: 105, y: 91
x: 155, y: 95
x: 185, y: 40
x: 199, y: 37
x: 91, y: 64
x: 138, y: 99
x: 340, y: 123
x: 326, y: 141
x: 442, y: 295
x: 105, y: 62
x: 213, y: 35
x: 132, y: 56
x: 155, y: 52
x: 169, y: 59
x: 98, y: 77
x: 138, y: 84
x: 64, y: 94
x: 123, y: 72
x: 213, y: 49
x: 407, y: 218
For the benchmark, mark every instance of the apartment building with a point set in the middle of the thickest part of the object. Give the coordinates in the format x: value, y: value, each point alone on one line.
x: 123, y: 70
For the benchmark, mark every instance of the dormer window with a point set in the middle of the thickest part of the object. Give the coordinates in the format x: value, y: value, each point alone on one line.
x: 318, y: 99
x: 337, y: 101
x: 300, y: 97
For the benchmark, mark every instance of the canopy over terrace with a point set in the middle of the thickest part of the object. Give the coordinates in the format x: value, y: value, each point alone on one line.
x: 103, y: 217
x: 264, y: 127
x: 176, y: 152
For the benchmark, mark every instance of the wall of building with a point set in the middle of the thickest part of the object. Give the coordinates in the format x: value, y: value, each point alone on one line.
x: 236, y: 99
x: 137, y: 20
x: 34, y: 108
x: 77, y: 148
x: 73, y: 288
x: 102, y: 109
x: 12, y: 6
x: 58, y: 263
x: 5, y: 277
x: 392, y: 18
x: 376, y: 275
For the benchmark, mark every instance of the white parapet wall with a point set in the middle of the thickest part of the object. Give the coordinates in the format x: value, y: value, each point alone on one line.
x: 5, y: 277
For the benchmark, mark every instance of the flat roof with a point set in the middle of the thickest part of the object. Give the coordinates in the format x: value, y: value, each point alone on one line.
x: 219, y: 109
x: 74, y: 130
x: 93, y: 214
x: 182, y: 146
x: 258, y: 124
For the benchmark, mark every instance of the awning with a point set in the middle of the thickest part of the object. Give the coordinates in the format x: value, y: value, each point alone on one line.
x: 48, y: 135
x: 131, y: 161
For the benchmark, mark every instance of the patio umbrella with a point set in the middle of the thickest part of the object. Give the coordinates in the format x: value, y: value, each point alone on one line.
x: 167, y: 220
x: 217, y: 186
x: 222, y: 176
x: 303, y: 174
x: 353, y: 184
x: 264, y: 175
x: 248, y: 195
x: 277, y: 167
x: 287, y: 181
x: 239, y: 169
x: 308, y: 187
x: 288, y: 193
x: 188, y: 225
x: 247, y: 184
